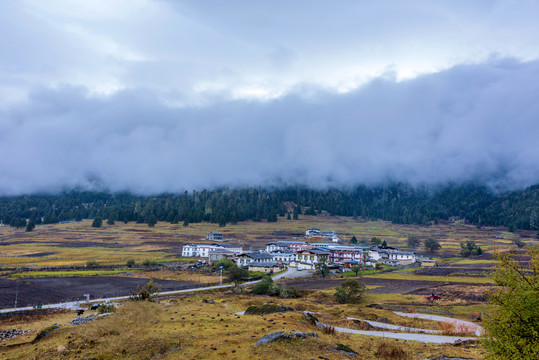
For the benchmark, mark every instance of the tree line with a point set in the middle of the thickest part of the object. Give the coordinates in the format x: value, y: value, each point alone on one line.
x: 399, y: 203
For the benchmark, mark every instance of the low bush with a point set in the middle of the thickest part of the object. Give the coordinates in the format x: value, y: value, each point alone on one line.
x: 350, y: 292
x: 106, y: 308
x: 388, y: 349
x: 456, y: 328
x: 147, y: 292
x: 267, y: 287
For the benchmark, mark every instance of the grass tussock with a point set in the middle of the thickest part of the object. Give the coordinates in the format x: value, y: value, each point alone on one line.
x: 456, y: 328
x: 391, y: 349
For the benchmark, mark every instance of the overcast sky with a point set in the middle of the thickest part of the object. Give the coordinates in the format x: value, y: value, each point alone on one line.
x: 153, y: 95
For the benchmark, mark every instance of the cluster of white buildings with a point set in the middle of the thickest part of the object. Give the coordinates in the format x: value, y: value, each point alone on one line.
x: 300, y: 254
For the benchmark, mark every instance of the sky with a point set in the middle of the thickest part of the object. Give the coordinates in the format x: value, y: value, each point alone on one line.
x: 155, y: 96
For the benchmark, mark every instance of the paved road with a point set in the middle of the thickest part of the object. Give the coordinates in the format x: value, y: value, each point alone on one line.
x: 470, y: 325
x: 76, y: 305
x: 293, y: 273
x: 398, y: 328
x: 433, y: 339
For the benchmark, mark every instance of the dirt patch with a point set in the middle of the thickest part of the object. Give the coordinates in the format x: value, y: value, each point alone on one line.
x: 41, y: 254
x: 452, y: 293
x: 456, y: 270
x: 384, y: 286
x: 54, y: 290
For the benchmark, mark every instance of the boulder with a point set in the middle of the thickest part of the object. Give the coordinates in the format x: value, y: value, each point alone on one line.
x: 281, y: 335
x: 267, y: 309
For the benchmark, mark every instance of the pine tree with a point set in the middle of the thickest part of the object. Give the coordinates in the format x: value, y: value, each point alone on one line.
x: 30, y: 226
x: 97, y: 222
x: 151, y: 220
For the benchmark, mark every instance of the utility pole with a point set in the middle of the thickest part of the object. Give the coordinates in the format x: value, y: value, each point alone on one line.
x: 17, y: 294
x: 221, y: 270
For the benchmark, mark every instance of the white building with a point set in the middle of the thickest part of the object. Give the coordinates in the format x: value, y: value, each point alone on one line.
x: 203, y: 250
x: 253, y: 258
x: 282, y: 257
x: 285, y: 245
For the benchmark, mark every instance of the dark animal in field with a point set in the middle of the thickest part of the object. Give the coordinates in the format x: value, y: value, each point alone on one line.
x: 95, y: 306
x: 80, y: 312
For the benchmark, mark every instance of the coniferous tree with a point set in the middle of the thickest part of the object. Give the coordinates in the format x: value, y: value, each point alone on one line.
x: 30, y: 226
x: 97, y: 222
x: 151, y: 220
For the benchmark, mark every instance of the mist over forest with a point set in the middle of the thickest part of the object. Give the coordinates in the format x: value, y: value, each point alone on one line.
x: 470, y: 123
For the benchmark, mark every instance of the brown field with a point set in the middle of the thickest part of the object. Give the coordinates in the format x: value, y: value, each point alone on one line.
x: 188, y: 328
x: 73, y: 244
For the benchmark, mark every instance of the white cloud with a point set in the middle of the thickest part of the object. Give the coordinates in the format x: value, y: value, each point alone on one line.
x: 475, y: 122
x: 163, y: 95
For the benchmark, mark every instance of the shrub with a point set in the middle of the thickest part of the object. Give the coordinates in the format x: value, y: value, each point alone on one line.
x: 130, y: 263
x: 432, y: 244
x: 264, y: 287
x: 225, y: 263
x: 513, y: 326
x: 235, y: 273
x: 350, y: 292
x: 104, y: 308
x: 267, y: 287
x: 91, y: 264
x: 470, y: 249
x: 147, y: 292
x: 149, y: 263
x: 388, y: 349
x: 413, y: 241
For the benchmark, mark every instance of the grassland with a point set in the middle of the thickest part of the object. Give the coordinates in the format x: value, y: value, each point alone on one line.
x: 448, y: 279
x: 76, y: 243
x: 186, y: 327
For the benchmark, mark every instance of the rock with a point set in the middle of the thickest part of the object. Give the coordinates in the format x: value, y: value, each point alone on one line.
x: 11, y: 333
x: 281, y: 335
x: 83, y: 320
x: 267, y: 309
x: 345, y: 349
x: 61, y: 348
x: 449, y: 358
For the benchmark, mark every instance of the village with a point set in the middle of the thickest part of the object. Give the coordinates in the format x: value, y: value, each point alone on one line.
x: 303, y: 255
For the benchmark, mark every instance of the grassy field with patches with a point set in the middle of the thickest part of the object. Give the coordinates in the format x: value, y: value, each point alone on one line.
x: 186, y: 327
x: 76, y: 243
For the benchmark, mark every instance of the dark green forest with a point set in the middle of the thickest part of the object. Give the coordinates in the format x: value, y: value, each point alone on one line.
x: 399, y: 203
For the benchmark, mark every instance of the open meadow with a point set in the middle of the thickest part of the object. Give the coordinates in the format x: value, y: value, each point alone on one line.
x: 52, y: 264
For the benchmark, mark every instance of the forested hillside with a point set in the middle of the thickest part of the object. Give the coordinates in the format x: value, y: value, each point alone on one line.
x: 399, y: 203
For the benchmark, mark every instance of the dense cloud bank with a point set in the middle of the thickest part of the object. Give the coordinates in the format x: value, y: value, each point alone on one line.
x: 469, y: 123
